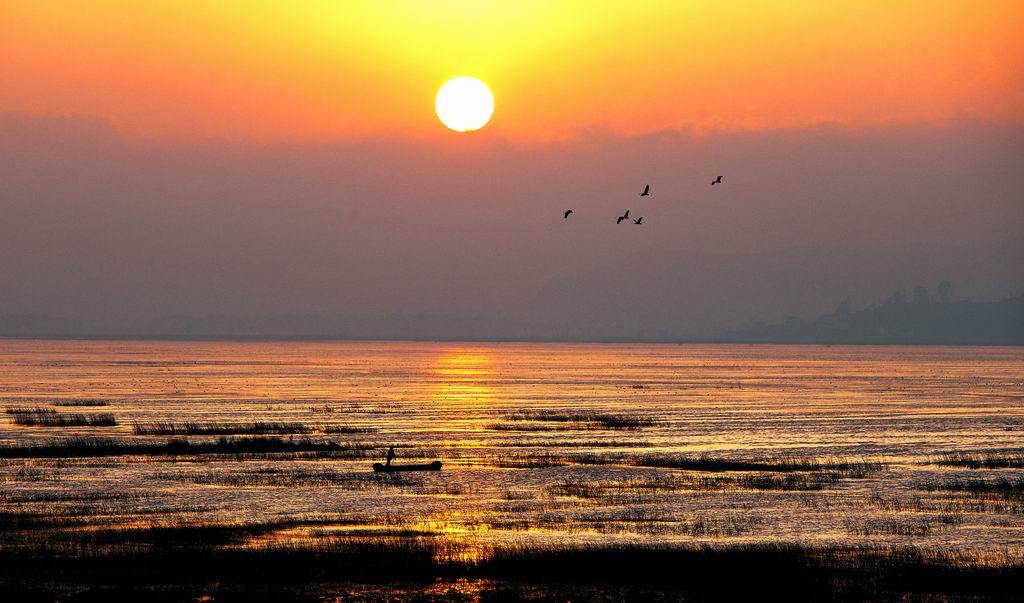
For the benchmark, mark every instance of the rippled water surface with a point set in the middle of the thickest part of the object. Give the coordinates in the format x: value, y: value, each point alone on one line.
x: 541, y: 443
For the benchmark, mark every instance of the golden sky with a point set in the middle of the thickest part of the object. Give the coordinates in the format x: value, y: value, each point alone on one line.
x: 198, y: 70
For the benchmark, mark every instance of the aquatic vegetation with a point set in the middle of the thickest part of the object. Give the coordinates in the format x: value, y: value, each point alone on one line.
x: 194, y: 428
x: 174, y: 557
x: 705, y: 462
x: 346, y: 429
x: 569, y: 444
x: 673, y: 482
x: 609, y: 489
x: 890, y: 526
x: 38, y: 410
x: 297, y: 476
x: 1001, y: 486
x: 48, y: 417
x: 981, y: 461
x: 952, y: 502
x: 591, y: 419
x: 518, y: 460
x: 518, y: 426
x: 90, y: 446
x: 82, y: 402
x: 816, y: 480
x: 520, y: 495
x: 28, y: 474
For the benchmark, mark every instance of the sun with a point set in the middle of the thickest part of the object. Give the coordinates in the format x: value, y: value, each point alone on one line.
x: 464, y: 104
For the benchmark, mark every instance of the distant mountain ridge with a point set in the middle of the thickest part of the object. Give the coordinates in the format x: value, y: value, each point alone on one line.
x: 923, y: 319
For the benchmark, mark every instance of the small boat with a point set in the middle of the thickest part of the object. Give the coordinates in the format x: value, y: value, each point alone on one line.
x: 381, y: 467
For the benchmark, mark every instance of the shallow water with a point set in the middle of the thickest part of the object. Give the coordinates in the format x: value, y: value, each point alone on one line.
x: 513, y: 474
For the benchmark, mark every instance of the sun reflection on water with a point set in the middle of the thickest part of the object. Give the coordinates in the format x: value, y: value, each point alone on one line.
x: 463, y: 379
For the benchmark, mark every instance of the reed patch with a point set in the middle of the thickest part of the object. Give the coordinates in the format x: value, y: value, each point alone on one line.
x: 586, y: 420
x: 981, y: 461
x: 48, y: 417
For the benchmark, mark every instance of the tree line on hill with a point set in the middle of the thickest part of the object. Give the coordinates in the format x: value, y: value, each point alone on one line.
x: 923, y: 318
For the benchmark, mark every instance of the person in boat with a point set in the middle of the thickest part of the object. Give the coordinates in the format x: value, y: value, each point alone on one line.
x: 391, y: 456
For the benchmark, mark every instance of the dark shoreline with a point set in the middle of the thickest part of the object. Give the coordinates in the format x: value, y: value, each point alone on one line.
x: 181, y: 565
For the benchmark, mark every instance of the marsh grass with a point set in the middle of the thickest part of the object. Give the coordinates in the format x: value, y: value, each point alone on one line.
x: 567, y: 444
x: 886, y: 527
x: 79, y: 403
x: 186, y: 556
x: 920, y: 524
x: 593, y: 420
x: 526, y: 461
x: 519, y: 426
x: 48, y: 417
x: 980, y: 461
x: 90, y: 446
x: 816, y: 480
x: 296, y: 477
x: 851, y: 467
x: 29, y: 473
x: 15, y: 520
x: 256, y: 428
x: 195, y: 428
x: 355, y: 408
x: 954, y: 503
x: 768, y: 570
x: 64, y: 497
x: 1002, y: 486
x: 346, y: 429
x: 854, y: 468
x: 830, y: 468
x: 700, y: 526
x: 520, y: 494
x: 635, y: 520
x: 637, y: 487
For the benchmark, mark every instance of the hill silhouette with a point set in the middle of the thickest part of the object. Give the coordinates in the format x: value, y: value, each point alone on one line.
x: 924, y: 318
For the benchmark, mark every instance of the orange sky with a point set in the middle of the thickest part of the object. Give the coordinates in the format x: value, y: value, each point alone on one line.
x: 323, y: 69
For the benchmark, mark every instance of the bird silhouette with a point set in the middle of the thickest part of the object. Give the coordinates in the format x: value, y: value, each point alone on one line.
x: 624, y: 216
x: 638, y: 220
x: 647, y: 191
x: 716, y: 181
x: 567, y: 212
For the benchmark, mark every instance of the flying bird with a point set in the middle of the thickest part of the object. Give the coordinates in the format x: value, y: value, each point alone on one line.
x: 638, y: 220
x: 567, y: 212
x: 716, y: 181
x: 624, y: 216
x: 647, y: 191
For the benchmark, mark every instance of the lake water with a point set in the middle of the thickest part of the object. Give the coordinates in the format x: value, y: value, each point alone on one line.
x: 541, y: 443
